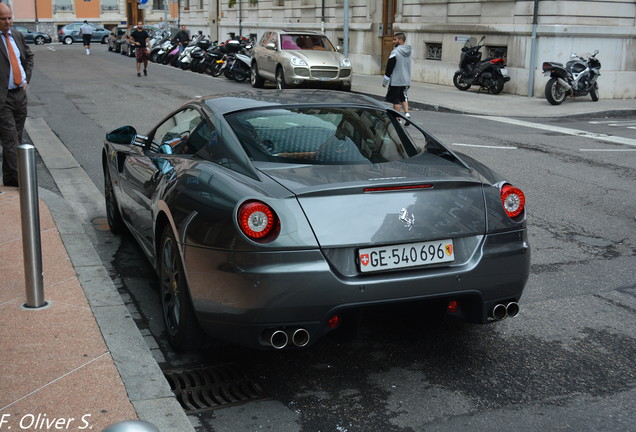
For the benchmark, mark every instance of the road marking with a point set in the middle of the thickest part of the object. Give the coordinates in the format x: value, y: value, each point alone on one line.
x: 562, y: 130
x: 608, y: 150
x: 485, y: 146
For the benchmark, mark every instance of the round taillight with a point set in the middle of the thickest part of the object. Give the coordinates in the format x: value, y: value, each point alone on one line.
x: 333, y: 322
x: 258, y: 221
x: 513, y: 200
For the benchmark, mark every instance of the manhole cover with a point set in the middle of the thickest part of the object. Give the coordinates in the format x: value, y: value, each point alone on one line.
x: 212, y: 386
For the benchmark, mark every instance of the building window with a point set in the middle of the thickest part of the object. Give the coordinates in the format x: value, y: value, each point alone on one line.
x: 158, y: 4
x: 433, y: 51
x: 195, y: 4
x: 110, y: 5
x: 63, y: 5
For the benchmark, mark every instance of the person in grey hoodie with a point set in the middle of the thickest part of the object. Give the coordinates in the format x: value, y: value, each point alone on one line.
x: 398, y: 74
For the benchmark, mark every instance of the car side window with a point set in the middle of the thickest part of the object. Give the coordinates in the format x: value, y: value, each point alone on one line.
x: 183, y: 133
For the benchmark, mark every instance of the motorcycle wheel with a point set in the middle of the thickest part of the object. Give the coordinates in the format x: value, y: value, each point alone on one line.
x: 554, y: 93
x: 594, y: 92
x: 217, y: 69
x: 228, y: 74
x: 496, y: 85
x: 184, y: 66
x: 154, y: 57
x: 459, y: 82
x: 240, y: 74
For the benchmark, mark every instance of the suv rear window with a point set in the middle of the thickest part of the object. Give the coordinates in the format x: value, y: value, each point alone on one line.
x: 323, y: 136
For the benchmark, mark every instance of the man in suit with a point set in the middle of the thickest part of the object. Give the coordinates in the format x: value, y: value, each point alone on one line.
x: 16, y: 65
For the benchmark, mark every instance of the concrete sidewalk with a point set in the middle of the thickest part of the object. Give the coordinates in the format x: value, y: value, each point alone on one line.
x: 80, y: 362
x: 449, y: 99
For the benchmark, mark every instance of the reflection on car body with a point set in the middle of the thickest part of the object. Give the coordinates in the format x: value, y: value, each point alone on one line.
x: 276, y: 218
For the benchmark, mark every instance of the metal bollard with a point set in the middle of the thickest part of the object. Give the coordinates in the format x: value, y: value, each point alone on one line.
x: 30, y: 218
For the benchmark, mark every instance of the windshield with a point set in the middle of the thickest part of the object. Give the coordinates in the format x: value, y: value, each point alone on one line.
x: 305, y: 42
x: 323, y: 136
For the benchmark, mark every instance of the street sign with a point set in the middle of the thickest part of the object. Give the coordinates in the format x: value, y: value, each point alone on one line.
x: 461, y: 38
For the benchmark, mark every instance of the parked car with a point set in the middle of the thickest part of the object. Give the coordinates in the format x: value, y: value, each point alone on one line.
x: 71, y: 33
x: 114, y: 38
x: 32, y: 36
x: 126, y: 48
x: 274, y: 218
x: 299, y: 59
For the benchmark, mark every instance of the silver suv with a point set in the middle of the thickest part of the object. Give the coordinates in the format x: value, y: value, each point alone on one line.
x: 70, y: 33
x: 299, y: 59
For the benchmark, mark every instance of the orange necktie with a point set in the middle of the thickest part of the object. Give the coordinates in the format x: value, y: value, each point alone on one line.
x: 17, y: 74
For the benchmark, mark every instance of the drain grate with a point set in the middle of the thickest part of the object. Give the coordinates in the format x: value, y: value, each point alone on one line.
x: 212, y: 386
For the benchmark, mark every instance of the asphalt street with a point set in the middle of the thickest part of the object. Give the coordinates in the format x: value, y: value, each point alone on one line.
x: 566, y: 363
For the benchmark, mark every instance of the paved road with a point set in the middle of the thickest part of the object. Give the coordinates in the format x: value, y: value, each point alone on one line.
x: 565, y: 364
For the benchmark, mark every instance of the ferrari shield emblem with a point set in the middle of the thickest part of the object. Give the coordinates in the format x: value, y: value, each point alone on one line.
x: 449, y: 249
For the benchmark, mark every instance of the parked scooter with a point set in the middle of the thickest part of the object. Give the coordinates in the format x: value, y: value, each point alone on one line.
x: 489, y: 74
x: 577, y: 78
x: 159, y: 47
x: 240, y: 67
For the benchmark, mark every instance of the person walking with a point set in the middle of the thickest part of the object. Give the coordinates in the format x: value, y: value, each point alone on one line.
x: 86, y: 31
x: 16, y: 66
x: 140, y: 39
x: 182, y: 38
x: 398, y: 74
x: 161, y: 25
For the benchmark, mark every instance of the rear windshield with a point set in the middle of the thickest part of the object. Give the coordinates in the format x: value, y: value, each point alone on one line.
x: 305, y: 42
x: 324, y: 136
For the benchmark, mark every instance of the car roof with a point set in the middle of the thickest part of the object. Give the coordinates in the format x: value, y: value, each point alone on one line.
x: 309, y: 32
x: 238, y: 101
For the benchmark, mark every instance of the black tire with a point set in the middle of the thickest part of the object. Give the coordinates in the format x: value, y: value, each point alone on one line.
x: 153, y: 56
x: 105, y: 40
x: 182, y: 328
x: 496, y: 84
x: 346, y: 87
x: 554, y: 92
x: 115, y: 221
x: 166, y: 59
x: 39, y: 40
x: 280, y: 79
x: 240, y: 74
x: 459, y: 82
x: 67, y: 40
x: 184, y: 66
x: 216, y: 69
x: 227, y: 73
x: 255, y: 79
x: 594, y: 92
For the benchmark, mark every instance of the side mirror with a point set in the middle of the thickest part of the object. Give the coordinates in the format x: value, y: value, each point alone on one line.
x: 122, y: 135
x: 271, y: 46
x: 339, y: 49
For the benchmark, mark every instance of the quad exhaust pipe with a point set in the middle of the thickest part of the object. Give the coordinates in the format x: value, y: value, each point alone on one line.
x: 501, y: 311
x: 279, y: 338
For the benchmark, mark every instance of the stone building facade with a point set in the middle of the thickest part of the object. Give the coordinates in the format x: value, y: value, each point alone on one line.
x: 530, y: 31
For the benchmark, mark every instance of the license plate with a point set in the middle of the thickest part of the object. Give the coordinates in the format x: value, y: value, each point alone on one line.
x: 406, y: 255
x: 504, y: 72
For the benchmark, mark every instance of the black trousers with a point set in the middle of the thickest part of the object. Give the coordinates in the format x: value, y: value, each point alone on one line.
x: 12, y: 117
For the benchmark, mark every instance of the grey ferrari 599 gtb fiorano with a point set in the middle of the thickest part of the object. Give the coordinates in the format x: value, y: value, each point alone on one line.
x: 276, y: 218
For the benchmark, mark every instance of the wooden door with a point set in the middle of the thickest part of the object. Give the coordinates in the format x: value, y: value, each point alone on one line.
x: 388, y: 16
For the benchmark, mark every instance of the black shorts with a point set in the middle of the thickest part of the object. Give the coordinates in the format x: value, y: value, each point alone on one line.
x: 86, y: 38
x: 396, y: 95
